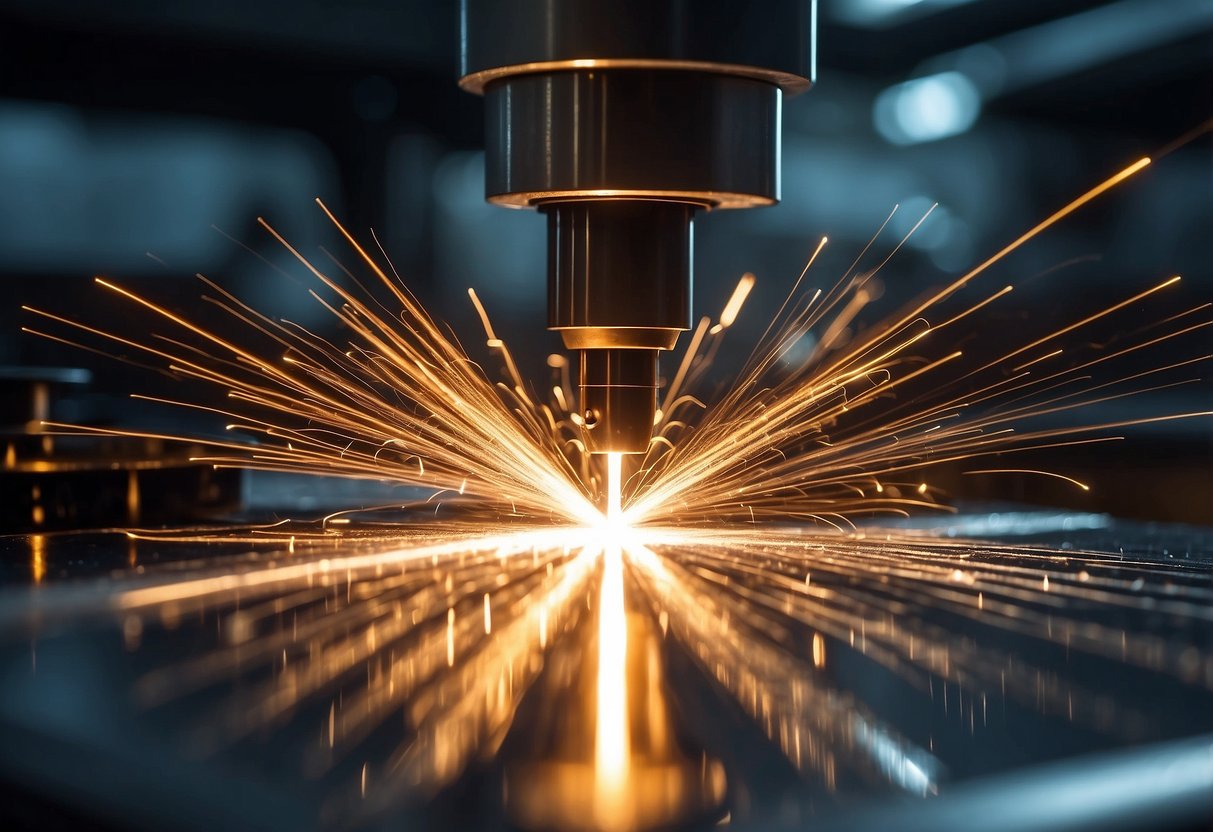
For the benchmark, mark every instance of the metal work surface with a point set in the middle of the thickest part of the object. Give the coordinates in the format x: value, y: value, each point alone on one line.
x: 779, y: 678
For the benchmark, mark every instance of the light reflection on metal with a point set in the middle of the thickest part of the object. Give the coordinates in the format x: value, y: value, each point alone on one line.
x: 612, y: 735
x: 351, y: 605
x: 132, y: 497
x: 37, y: 547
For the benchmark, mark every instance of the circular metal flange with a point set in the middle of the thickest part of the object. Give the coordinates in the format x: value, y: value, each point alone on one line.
x: 790, y: 84
x: 692, y: 137
x: 618, y: 337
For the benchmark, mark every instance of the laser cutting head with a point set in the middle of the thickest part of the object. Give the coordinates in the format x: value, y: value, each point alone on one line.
x: 619, y: 120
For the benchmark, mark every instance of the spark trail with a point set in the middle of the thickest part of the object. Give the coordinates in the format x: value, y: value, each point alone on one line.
x: 451, y: 623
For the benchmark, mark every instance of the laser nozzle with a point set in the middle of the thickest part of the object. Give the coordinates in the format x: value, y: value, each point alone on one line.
x: 620, y: 120
x: 618, y: 399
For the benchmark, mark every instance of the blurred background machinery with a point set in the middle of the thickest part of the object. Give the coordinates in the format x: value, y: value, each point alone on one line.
x: 141, y: 139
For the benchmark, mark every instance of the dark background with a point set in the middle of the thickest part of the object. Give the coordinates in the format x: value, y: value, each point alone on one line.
x: 131, y: 131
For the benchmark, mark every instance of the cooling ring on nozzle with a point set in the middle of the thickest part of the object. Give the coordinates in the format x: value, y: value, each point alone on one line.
x: 619, y: 120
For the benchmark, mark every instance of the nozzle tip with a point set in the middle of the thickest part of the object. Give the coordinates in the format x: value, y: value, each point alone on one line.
x: 618, y: 399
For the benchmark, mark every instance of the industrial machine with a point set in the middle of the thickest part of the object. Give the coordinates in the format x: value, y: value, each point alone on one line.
x: 288, y: 664
x: 619, y: 122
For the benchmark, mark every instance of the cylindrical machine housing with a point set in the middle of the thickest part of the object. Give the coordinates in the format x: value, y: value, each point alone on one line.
x: 773, y: 40
x: 619, y: 119
x: 697, y: 137
x: 619, y: 272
